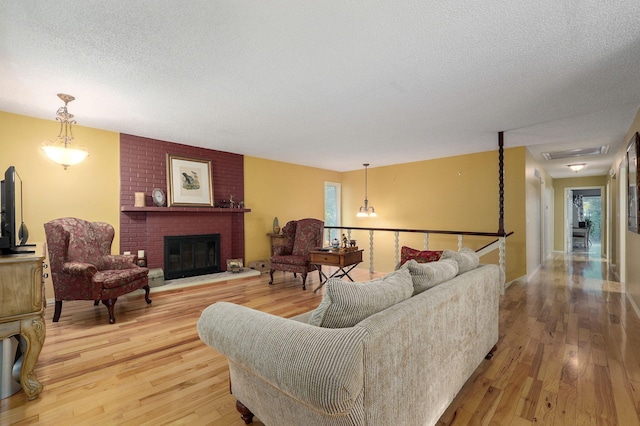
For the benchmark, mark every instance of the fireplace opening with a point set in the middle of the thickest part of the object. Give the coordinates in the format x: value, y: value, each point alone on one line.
x: 191, y: 255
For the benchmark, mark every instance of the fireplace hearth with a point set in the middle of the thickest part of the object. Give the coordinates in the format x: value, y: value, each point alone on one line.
x: 191, y: 255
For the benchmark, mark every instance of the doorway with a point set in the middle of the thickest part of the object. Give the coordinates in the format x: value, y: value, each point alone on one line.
x: 584, y: 220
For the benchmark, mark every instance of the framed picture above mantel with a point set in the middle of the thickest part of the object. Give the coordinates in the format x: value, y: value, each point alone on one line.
x: 189, y: 181
x: 633, y: 183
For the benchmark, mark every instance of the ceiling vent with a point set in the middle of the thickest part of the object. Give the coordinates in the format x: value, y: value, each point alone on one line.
x: 572, y: 153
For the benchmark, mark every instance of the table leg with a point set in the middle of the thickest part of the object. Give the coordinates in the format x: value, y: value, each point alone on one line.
x: 346, y: 273
x: 323, y: 277
x: 339, y: 273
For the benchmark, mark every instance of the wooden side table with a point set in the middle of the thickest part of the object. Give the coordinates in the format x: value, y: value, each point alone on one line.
x: 345, y: 261
x: 22, y: 310
x: 276, y: 240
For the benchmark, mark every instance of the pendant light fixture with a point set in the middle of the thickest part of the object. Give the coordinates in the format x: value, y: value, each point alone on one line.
x: 366, y: 210
x: 63, y: 150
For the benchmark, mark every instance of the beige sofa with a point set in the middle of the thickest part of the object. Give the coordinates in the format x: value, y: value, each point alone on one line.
x: 400, y: 366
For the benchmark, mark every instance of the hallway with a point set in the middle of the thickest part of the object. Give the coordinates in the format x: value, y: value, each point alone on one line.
x: 569, y: 352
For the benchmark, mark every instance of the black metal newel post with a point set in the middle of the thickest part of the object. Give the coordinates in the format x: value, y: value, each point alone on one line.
x: 501, y: 178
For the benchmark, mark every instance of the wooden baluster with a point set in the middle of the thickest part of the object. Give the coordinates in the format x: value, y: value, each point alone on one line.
x: 397, y: 246
x: 459, y: 242
x: 371, y: 251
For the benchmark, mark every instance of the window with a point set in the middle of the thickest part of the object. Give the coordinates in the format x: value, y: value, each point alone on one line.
x: 332, y: 211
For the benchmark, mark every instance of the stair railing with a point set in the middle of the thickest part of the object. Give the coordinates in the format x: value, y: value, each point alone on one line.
x: 498, y: 244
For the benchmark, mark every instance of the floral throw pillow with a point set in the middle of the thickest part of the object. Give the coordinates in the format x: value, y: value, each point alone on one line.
x: 420, y: 256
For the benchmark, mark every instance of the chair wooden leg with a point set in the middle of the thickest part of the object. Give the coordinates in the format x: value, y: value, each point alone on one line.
x: 304, y: 281
x: 57, y: 310
x: 146, y: 293
x: 110, y: 303
x: 95, y: 302
x: 271, y: 275
x: 245, y: 414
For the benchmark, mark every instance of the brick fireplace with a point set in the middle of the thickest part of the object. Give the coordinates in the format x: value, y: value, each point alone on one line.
x: 143, y: 167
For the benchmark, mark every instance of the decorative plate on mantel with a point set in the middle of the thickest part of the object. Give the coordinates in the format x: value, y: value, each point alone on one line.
x: 158, y: 197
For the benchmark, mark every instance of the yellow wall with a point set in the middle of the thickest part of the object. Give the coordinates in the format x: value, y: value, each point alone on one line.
x: 560, y: 185
x: 613, y: 249
x: 455, y: 193
x: 632, y: 244
x: 536, y: 184
x: 90, y: 190
x: 283, y: 190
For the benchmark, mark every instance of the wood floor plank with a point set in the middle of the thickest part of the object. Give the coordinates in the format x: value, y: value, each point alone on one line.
x: 508, y: 403
x: 546, y: 408
x: 567, y: 355
x: 566, y: 405
x: 529, y: 399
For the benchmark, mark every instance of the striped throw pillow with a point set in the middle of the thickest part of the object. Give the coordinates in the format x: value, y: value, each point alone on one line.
x: 467, y: 259
x: 345, y: 304
x: 428, y: 275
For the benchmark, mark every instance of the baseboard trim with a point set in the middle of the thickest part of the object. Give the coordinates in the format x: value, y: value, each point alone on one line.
x: 614, y: 271
x: 633, y: 304
x: 522, y: 278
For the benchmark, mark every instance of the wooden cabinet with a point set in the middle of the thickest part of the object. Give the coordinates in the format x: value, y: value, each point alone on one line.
x: 22, y: 306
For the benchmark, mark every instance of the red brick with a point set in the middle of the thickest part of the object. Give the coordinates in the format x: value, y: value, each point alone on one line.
x: 143, y: 167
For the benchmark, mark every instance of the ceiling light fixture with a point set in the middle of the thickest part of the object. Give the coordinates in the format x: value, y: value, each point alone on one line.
x: 576, y: 167
x: 63, y: 150
x: 366, y: 210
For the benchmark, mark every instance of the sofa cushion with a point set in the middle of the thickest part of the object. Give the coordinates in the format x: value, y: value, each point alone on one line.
x: 420, y: 256
x: 119, y: 277
x: 290, y: 260
x: 345, y: 304
x: 467, y: 259
x: 427, y: 275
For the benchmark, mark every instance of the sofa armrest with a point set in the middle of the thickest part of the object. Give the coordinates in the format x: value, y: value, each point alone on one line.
x: 318, y: 366
x: 79, y: 269
x: 303, y: 317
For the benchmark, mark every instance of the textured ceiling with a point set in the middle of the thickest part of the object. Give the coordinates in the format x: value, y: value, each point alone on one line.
x: 333, y: 84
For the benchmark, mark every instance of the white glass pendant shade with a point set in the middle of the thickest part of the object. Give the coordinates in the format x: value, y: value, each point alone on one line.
x: 64, y: 155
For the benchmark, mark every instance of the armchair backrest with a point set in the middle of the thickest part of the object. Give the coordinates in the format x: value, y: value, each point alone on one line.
x: 308, y: 236
x: 75, y: 240
x: 289, y: 233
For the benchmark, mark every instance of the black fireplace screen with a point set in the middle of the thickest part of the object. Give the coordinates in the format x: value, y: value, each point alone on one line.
x: 191, y: 255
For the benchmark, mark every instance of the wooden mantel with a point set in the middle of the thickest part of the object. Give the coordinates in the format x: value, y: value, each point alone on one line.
x: 182, y: 209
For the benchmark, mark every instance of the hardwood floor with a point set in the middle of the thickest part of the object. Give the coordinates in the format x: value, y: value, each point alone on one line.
x: 569, y: 353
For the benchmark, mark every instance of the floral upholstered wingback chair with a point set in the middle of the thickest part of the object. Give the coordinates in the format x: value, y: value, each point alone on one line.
x: 83, y: 268
x: 300, y: 237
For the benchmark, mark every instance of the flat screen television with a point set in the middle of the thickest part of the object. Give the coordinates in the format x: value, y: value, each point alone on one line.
x: 13, y: 231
